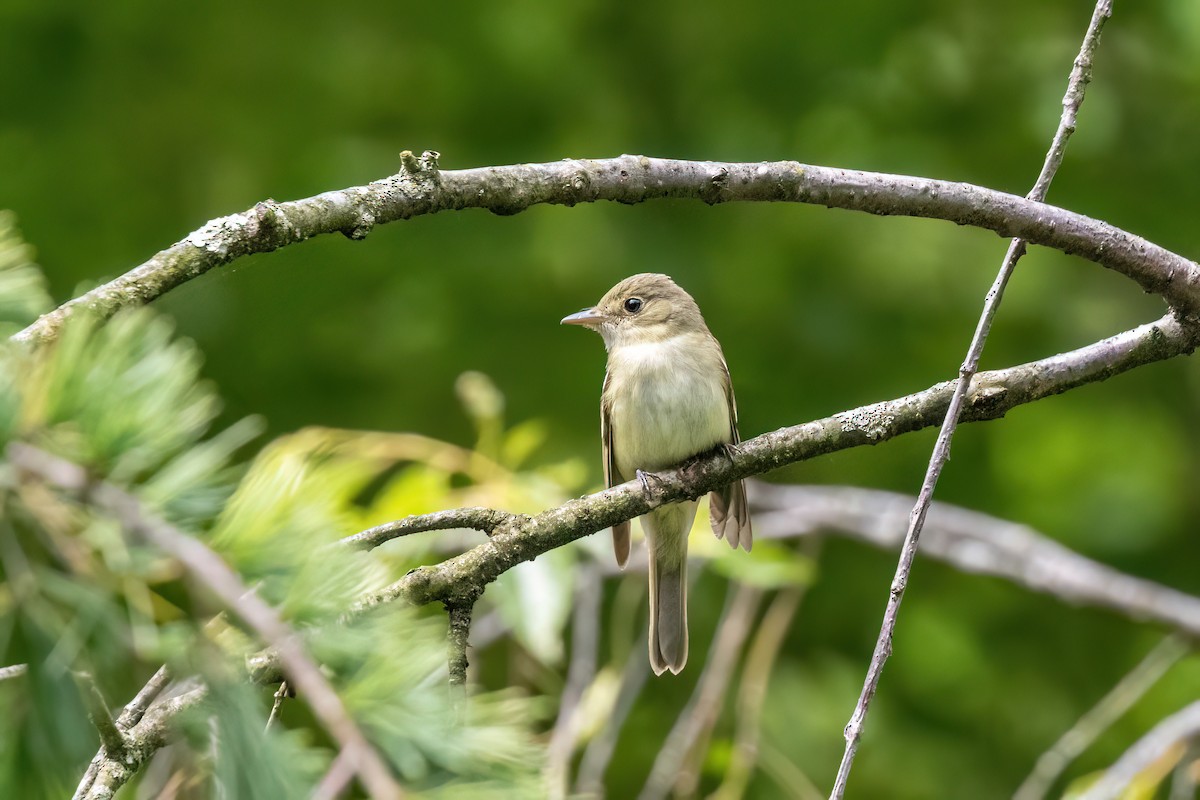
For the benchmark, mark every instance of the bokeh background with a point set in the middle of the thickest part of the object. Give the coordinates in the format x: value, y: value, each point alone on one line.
x: 123, y: 127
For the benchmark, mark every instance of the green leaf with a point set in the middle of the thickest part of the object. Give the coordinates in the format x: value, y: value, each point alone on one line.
x: 769, y: 565
x: 23, y: 295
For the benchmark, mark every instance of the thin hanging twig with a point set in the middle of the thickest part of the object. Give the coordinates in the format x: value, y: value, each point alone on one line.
x: 1081, y: 73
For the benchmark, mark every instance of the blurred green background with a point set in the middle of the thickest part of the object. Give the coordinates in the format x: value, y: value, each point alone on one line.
x: 123, y: 127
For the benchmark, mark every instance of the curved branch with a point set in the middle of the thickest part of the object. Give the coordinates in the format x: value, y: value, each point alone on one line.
x: 991, y: 396
x: 422, y: 188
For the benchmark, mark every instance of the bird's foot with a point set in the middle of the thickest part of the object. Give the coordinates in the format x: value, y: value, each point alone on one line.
x: 645, y: 478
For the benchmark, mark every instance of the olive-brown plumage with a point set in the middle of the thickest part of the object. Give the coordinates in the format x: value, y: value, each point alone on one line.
x: 667, y: 397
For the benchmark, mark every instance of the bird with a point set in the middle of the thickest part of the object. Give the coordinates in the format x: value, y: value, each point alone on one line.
x: 667, y: 397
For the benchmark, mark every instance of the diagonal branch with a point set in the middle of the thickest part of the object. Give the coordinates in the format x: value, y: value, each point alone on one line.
x: 992, y: 395
x: 1177, y: 730
x: 422, y: 188
x: 208, y: 569
x: 1081, y: 74
x: 1100, y: 717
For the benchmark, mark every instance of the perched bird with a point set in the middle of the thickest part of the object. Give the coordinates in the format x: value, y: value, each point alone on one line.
x: 667, y: 397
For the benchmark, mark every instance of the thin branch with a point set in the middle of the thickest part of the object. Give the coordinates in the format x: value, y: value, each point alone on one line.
x: 144, y: 739
x: 589, y: 781
x: 423, y: 188
x: 133, y: 711
x: 1100, y: 717
x: 130, y: 716
x: 702, y: 709
x: 585, y: 642
x: 205, y: 566
x: 1080, y: 75
x: 280, y: 694
x: 972, y: 542
x: 752, y: 691
x: 336, y: 779
x: 992, y: 395
x: 111, y: 737
x: 1181, y: 727
x: 480, y: 519
x: 14, y: 671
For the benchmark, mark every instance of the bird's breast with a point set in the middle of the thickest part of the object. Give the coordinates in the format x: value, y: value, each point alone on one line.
x: 668, y: 402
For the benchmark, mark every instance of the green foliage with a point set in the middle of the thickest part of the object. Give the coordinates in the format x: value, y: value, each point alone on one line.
x: 22, y: 286
x: 125, y: 400
x: 108, y: 160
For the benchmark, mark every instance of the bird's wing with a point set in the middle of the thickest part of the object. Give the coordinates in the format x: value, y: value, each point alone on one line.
x: 727, y: 507
x: 612, y: 477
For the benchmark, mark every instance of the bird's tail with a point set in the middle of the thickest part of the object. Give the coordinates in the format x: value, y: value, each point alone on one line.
x: 666, y: 534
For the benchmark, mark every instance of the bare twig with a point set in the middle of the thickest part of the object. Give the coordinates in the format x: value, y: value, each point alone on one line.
x: 336, y: 779
x: 752, y: 692
x: 111, y: 737
x: 589, y: 782
x: 206, y: 567
x: 143, y: 740
x: 130, y: 716
x: 280, y: 695
x: 626, y: 179
x: 1080, y: 75
x: 480, y: 519
x: 14, y: 671
x: 133, y: 711
x: 585, y: 642
x: 1181, y: 727
x: 790, y: 778
x: 971, y: 542
x: 702, y: 709
x: 1100, y: 717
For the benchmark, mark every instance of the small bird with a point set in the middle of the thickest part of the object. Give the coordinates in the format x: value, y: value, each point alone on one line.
x: 667, y: 397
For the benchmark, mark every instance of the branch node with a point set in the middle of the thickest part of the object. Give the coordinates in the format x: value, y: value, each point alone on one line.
x: 98, y: 712
x: 429, y: 163
x: 459, y: 631
x: 409, y: 162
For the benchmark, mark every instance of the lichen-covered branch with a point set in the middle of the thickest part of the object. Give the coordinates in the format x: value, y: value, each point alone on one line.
x: 480, y: 519
x: 142, y: 741
x: 459, y: 581
x: 101, y: 717
x: 458, y: 633
x: 421, y: 187
x: 992, y: 395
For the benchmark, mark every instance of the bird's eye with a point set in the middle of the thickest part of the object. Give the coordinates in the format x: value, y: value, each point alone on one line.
x: 633, y: 305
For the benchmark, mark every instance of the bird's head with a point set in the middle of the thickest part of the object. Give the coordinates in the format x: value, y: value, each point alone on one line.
x: 642, y: 309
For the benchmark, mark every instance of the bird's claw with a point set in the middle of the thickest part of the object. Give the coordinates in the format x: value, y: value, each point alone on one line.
x: 644, y: 478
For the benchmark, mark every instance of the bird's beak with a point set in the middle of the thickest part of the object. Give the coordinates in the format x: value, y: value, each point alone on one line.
x: 589, y: 317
